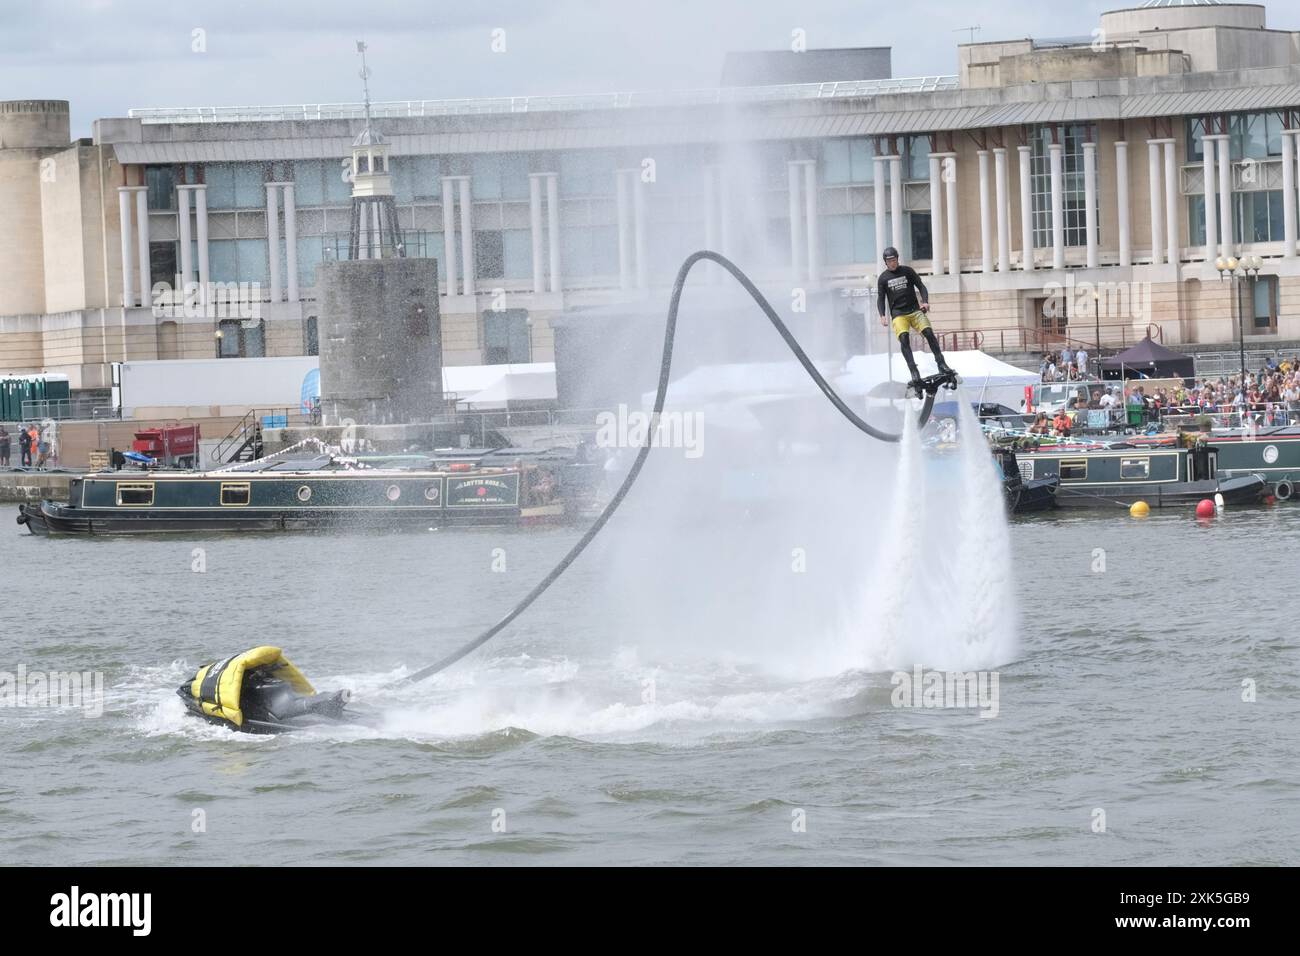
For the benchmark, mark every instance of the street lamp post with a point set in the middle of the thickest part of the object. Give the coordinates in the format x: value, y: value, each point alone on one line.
x: 1096, y: 321
x: 1248, y: 266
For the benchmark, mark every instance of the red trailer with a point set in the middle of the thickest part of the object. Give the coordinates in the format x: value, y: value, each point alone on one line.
x: 174, y: 446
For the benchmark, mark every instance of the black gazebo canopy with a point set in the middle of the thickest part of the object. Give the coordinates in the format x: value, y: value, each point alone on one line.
x: 1148, y: 359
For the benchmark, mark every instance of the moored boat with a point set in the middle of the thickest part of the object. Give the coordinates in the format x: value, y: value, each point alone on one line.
x: 1162, y: 475
x: 1024, y: 497
x: 306, y: 494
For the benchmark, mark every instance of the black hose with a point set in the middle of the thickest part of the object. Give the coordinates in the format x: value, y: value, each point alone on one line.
x: 670, y: 332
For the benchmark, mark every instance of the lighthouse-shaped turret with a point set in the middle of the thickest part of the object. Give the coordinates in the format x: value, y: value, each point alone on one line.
x: 374, y: 233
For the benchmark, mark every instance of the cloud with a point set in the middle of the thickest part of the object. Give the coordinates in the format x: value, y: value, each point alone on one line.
x: 106, y: 56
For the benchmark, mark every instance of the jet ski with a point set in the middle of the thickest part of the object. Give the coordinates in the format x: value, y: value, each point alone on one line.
x: 260, y: 692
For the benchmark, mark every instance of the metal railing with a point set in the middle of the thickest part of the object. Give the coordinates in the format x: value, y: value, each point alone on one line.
x: 1230, y: 415
x: 545, y: 104
x: 63, y: 409
x: 1227, y: 364
x: 1020, y: 338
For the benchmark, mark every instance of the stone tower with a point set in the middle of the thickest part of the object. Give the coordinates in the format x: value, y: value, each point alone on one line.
x: 380, y: 327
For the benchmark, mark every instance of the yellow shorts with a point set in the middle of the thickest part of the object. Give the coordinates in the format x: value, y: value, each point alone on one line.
x: 914, y: 321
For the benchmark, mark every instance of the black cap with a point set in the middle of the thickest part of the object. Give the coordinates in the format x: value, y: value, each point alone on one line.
x: 890, y: 253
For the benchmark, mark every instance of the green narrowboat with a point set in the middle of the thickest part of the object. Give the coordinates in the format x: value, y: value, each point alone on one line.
x: 1271, y: 453
x: 1161, y: 475
x: 295, y: 495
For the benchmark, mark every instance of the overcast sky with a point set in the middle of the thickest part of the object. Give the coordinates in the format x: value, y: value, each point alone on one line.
x: 106, y: 56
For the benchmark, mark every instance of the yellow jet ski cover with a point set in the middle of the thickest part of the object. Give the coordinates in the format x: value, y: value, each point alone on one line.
x: 216, y: 688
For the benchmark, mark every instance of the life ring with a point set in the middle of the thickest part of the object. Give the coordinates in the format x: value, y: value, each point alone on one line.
x: 1283, y: 490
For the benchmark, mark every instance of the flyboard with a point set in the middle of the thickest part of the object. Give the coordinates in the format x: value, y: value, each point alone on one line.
x: 259, y: 691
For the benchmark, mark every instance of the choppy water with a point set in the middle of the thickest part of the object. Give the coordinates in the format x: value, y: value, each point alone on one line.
x: 1125, y: 695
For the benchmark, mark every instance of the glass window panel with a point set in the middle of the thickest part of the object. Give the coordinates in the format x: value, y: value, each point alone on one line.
x: 1255, y: 136
x: 426, y: 176
x: 604, y: 255
x: 310, y: 254
x: 220, y: 179
x: 922, y: 241
x: 506, y: 337
x: 575, y: 250
x: 1072, y: 139
x: 839, y: 240
x: 518, y: 251
x: 836, y: 167
x: 308, y: 182
x: 255, y: 341
x: 402, y: 171
x: 161, y: 183
x: 485, y: 173
x: 222, y: 263
x: 861, y: 160
x: 918, y: 158
x: 514, y: 176
x: 1273, y: 136
x: 1196, y: 219
x: 228, y: 343
x: 488, y: 254
x: 252, y: 262
x: 250, y: 188
x: 1195, y: 140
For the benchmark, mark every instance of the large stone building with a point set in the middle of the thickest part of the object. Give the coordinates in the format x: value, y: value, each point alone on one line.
x: 1123, y: 163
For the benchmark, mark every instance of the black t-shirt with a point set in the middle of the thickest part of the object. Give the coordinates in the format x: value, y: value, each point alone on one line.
x: 899, y: 287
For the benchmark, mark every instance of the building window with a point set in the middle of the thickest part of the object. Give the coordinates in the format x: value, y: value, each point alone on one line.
x: 1250, y: 135
x: 162, y: 263
x: 847, y: 239
x: 254, y: 340
x: 592, y: 250
x: 916, y: 157
x: 236, y: 340
x: 1073, y: 204
x: 310, y: 336
x: 235, y: 185
x: 1259, y: 304
x: 228, y: 339
x: 489, y: 254
x: 922, y: 241
x: 161, y: 183
x: 847, y: 161
x: 506, y: 338
x: 1256, y: 216
x: 587, y: 173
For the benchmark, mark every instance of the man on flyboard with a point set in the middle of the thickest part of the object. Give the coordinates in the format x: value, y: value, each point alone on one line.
x: 898, y: 287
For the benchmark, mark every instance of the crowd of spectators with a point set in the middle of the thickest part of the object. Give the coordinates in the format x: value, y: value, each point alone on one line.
x: 1067, y: 365
x: 1270, y: 396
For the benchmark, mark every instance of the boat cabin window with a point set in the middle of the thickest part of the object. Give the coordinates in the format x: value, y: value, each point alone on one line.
x: 135, y: 493
x: 1074, y: 469
x: 235, y: 493
x: 1135, y: 468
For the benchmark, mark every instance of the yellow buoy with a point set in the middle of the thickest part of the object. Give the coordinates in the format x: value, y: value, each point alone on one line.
x: 1139, y: 509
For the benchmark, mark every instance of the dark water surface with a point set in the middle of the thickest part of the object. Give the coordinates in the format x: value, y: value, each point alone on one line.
x: 1125, y: 698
